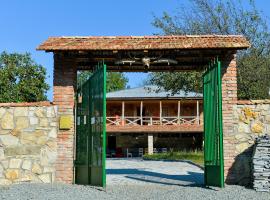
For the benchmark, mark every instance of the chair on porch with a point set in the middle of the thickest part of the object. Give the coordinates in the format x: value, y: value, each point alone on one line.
x: 140, y: 152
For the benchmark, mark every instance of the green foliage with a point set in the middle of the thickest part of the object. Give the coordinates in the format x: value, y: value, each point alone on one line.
x: 115, y: 80
x: 196, y: 156
x: 21, y: 79
x: 223, y: 17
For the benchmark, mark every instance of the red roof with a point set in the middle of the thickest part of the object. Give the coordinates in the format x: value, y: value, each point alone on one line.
x: 145, y: 42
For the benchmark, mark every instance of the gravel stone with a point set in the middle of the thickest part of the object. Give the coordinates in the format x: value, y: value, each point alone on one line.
x: 133, y: 179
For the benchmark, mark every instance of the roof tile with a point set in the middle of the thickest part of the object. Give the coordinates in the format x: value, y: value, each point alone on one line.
x: 145, y: 42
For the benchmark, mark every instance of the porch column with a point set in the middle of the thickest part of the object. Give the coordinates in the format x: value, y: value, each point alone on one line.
x: 160, y: 112
x: 178, y: 112
x: 123, y: 113
x: 198, y: 113
x: 141, y: 112
x: 150, y: 143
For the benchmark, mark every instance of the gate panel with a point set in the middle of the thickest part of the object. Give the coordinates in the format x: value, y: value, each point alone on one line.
x: 91, y: 130
x: 213, y: 130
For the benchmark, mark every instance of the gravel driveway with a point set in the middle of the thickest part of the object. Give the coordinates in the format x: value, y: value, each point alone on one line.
x: 156, y: 180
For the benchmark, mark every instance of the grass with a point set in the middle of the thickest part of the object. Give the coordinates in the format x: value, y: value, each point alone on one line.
x: 193, y: 156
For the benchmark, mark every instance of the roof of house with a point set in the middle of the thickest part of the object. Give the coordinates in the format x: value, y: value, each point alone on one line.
x: 151, y: 92
x: 145, y: 42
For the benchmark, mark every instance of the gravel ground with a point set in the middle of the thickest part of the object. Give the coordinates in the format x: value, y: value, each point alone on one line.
x: 134, y: 179
x: 155, y: 192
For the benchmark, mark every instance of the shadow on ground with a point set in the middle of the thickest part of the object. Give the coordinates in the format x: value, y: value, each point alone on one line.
x: 188, y: 179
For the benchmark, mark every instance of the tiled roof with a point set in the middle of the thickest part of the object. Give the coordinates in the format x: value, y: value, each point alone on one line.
x: 150, y: 91
x: 145, y: 42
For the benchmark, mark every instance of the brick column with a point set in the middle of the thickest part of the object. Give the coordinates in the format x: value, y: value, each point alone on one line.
x: 229, y: 99
x: 63, y: 91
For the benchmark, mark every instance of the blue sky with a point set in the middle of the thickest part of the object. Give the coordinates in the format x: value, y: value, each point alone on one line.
x: 25, y: 24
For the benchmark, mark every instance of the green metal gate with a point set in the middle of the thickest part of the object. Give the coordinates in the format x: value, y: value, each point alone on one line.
x: 91, y: 130
x: 213, y: 131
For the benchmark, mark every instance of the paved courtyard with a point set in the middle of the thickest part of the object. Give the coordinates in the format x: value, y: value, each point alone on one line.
x: 141, y: 172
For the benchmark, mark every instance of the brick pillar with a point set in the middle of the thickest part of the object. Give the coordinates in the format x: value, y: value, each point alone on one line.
x: 150, y: 143
x: 63, y: 91
x: 229, y: 99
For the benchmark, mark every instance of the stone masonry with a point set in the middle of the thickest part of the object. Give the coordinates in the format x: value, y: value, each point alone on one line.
x: 250, y: 120
x: 28, y: 142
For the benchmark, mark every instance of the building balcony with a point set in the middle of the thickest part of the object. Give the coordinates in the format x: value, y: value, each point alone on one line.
x: 154, y: 124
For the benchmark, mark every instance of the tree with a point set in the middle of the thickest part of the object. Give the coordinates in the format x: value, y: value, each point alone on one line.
x: 115, y: 80
x: 21, y: 79
x: 222, y: 17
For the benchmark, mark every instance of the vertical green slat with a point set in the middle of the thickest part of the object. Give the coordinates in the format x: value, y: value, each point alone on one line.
x: 104, y: 127
x: 221, y: 155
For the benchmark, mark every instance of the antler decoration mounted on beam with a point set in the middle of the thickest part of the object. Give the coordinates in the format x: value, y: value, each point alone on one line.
x: 146, y: 61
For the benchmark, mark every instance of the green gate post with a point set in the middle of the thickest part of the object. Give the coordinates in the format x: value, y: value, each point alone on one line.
x: 213, y: 129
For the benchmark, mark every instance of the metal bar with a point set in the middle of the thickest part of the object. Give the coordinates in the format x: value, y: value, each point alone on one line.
x: 178, y: 111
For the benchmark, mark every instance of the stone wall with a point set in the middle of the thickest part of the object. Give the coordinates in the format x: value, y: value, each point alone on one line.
x: 28, y: 142
x: 251, y: 119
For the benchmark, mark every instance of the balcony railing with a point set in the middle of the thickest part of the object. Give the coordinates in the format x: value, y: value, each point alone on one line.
x: 140, y: 121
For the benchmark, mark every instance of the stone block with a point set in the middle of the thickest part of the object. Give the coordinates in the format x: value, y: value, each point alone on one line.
x: 53, y: 133
x: 15, y: 132
x: 2, y: 155
x: 12, y: 174
x: 21, y: 111
x: 52, y: 144
x: 7, y: 121
x: 5, y: 181
x: 28, y: 138
x: 33, y: 120
x: 40, y: 112
x: 49, y: 169
x: 22, y: 150
x: 2, y: 112
x: 27, y: 164
x: 43, y: 122
x: 42, y: 140
x: 22, y: 122
x: 36, y: 168
x: 5, y: 163
x: 257, y: 127
x: 242, y: 147
x: 50, y: 112
x: 9, y: 140
x: 15, y: 163
x: 45, y: 178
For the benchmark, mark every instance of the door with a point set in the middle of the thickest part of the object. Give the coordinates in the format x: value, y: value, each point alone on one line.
x: 91, y: 130
x: 213, y: 131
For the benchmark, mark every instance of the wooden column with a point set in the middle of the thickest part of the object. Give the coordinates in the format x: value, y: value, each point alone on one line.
x: 198, y: 113
x: 178, y: 112
x: 141, y: 113
x: 123, y: 113
x: 160, y: 112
